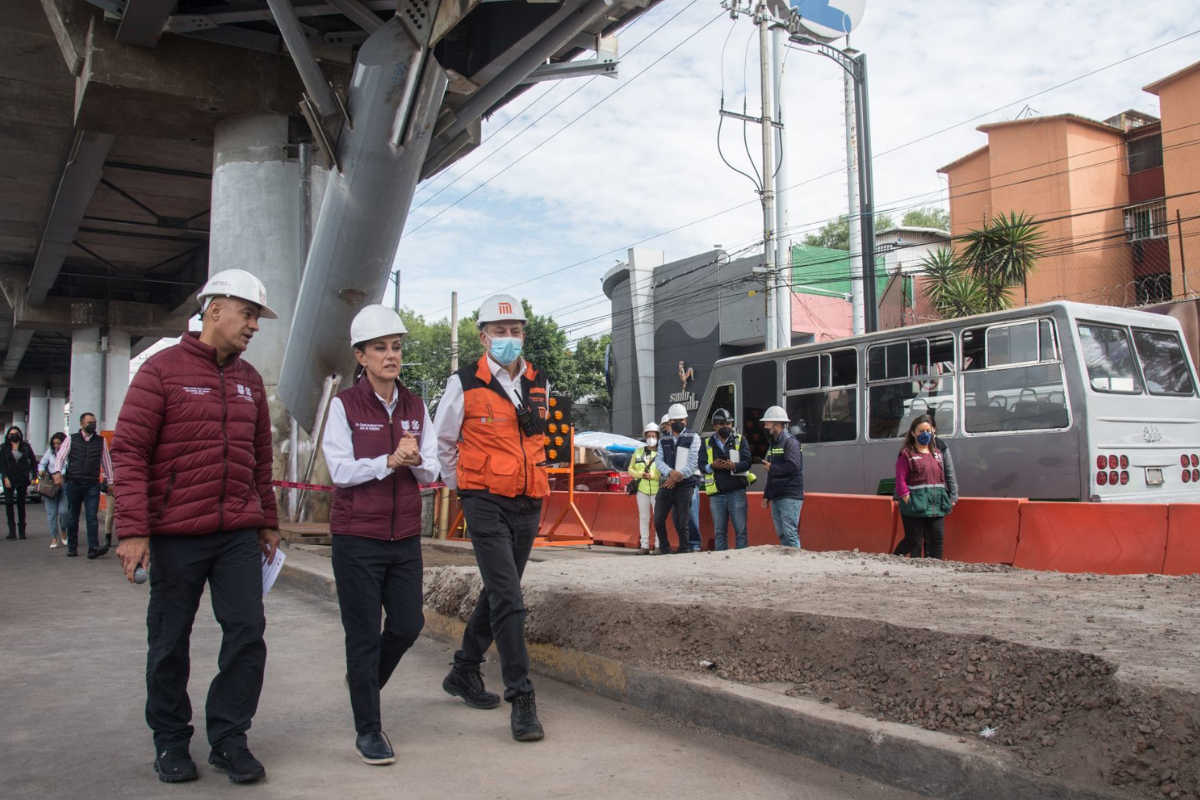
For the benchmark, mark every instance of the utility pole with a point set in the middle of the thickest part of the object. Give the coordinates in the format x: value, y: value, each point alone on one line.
x: 783, y: 255
x: 855, y: 245
x: 453, y: 332
x: 763, y: 19
x: 866, y: 195
x: 396, y: 277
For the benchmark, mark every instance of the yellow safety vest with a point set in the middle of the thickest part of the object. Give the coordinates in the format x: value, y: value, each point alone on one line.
x: 710, y: 478
x: 644, y: 471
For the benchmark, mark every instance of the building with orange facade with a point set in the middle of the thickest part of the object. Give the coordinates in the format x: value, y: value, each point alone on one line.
x: 1118, y: 200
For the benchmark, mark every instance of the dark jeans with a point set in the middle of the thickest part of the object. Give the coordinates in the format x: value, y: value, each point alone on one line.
x: 16, y: 493
x: 918, y: 530
x: 678, y: 503
x: 502, y: 532
x: 87, y: 497
x: 230, y: 562
x: 376, y: 576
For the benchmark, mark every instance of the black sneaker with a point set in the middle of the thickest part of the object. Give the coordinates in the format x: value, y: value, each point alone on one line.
x: 72, y: 554
x: 468, y: 684
x: 175, y: 765
x: 374, y: 748
x: 525, y: 725
x: 237, y: 761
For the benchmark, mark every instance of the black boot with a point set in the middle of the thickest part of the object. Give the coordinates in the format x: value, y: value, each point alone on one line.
x: 236, y: 760
x: 21, y: 531
x: 468, y: 684
x: 175, y: 766
x: 12, y: 532
x: 525, y: 724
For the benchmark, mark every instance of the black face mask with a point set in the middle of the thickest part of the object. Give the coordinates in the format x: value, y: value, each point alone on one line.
x: 90, y: 428
x: 15, y: 437
x: 678, y: 427
x: 724, y: 433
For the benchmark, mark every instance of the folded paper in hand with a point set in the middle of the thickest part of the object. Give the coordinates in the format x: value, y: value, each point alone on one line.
x: 271, y: 571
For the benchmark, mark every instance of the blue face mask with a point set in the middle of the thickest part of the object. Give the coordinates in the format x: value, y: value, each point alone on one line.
x: 924, y: 437
x: 505, y: 349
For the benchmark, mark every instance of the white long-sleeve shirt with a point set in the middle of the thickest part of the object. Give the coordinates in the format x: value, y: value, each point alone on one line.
x: 345, y: 470
x: 448, y: 426
x: 693, y: 461
x: 64, y: 450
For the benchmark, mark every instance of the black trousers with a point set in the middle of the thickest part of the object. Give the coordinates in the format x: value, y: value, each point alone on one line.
x: 230, y: 563
x: 918, y: 531
x: 376, y: 577
x: 678, y: 503
x: 502, y: 532
x: 11, y: 494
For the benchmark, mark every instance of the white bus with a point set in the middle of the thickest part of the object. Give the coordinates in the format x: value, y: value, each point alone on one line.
x: 1061, y: 401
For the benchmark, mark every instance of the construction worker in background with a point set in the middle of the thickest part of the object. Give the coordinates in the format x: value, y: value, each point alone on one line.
x: 193, y: 450
x: 680, y: 483
x: 489, y: 427
x: 664, y: 426
x: 725, y: 462
x: 380, y: 447
x: 784, y: 492
x: 645, y: 476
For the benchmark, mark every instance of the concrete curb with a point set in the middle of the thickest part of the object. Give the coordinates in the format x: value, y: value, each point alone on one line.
x: 922, y: 761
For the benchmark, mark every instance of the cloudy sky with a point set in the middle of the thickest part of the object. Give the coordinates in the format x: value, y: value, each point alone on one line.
x: 551, y: 208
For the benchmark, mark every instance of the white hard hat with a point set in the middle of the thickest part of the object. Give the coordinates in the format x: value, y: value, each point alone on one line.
x: 500, y: 308
x: 236, y: 283
x: 775, y: 414
x: 375, y: 321
x: 677, y: 411
x: 650, y: 428
x: 666, y: 418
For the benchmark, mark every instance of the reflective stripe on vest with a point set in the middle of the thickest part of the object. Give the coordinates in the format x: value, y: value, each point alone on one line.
x: 710, y: 478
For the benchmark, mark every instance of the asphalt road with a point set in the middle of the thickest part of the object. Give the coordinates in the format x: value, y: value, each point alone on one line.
x: 72, y: 689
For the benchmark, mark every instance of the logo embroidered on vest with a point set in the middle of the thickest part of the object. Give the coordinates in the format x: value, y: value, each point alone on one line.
x: 244, y: 392
x: 411, y: 425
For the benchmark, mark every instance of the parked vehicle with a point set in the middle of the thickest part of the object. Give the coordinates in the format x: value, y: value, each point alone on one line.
x: 1061, y: 401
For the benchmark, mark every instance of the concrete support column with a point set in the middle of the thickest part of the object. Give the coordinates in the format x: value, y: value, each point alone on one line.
x: 262, y: 209
x: 56, y: 415
x: 38, y: 434
x: 99, y: 374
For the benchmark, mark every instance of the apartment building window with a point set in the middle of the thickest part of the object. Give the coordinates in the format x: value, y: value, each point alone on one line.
x: 1147, y: 221
x: 1144, y: 153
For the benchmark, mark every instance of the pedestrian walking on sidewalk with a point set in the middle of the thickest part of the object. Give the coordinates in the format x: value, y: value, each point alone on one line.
x: 19, y: 467
x: 681, y: 482
x: 195, y: 502
x: 725, y: 462
x: 490, y: 431
x: 380, y: 447
x: 645, y: 476
x: 87, y: 464
x: 784, y: 491
x: 921, y: 488
x: 56, y: 506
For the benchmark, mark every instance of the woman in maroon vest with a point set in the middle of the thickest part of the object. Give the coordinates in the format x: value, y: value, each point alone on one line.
x: 379, y: 446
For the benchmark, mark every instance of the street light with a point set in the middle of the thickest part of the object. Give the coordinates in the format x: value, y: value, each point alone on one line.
x: 855, y: 65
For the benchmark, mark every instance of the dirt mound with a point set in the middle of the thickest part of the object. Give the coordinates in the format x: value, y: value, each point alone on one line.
x: 1062, y: 710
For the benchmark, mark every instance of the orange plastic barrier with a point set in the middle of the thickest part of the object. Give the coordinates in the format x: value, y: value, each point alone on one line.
x: 760, y: 529
x: 983, y: 530
x: 616, y: 523
x: 1110, y: 538
x: 1183, y: 540
x: 553, y: 506
x: 847, y: 522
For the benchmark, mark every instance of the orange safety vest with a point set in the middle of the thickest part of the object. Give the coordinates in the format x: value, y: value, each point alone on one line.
x: 494, y: 453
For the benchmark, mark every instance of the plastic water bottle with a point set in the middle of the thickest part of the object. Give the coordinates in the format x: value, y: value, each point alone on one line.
x: 140, y: 576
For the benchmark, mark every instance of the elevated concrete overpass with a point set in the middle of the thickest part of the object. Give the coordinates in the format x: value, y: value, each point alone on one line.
x: 147, y: 143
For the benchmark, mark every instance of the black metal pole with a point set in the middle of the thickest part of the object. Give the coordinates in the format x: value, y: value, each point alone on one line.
x: 866, y: 195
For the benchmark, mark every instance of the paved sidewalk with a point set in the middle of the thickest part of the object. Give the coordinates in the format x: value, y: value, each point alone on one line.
x: 72, y: 693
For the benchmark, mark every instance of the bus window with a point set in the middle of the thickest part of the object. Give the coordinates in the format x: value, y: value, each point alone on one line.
x: 1013, y: 344
x: 1109, y: 359
x: 918, y: 358
x: 941, y: 355
x: 892, y: 407
x: 760, y: 391
x: 887, y: 361
x: 802, y: 374
x: 973, y: 349
x: 1163, y: 362
x: 1024, y: 398
x: 1048, y: 347
x: 830, y: 414
x: 724, y: 397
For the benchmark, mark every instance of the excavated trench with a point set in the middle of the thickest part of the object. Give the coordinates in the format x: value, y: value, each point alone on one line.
x: 1061, y: 711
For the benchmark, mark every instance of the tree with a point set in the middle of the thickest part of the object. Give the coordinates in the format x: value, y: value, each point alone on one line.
x: 835, y: 234
x: 996, y: 258
x: 587, y: 380
x: 928, y: 217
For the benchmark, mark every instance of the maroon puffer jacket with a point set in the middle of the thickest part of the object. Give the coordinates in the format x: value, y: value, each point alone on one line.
x: 192, y: 446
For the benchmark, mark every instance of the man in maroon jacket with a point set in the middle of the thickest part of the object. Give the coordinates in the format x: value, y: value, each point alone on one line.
x: 193, y: 444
